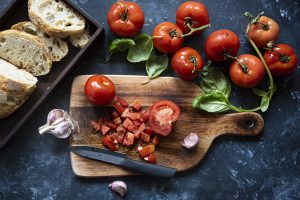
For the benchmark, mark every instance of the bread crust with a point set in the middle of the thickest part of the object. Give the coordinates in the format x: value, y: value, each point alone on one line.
x: 47, y: 28
x: 37, y: 41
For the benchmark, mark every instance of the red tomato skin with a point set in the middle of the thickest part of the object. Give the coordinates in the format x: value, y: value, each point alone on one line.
x: 183, y: 66
x: 221, y: 42
x: 196, y: 11
x: 253, y: 77
x: 262, y: 37
x: 163, y: 41
x: 132, y: 26
x: 158, y: 126
x: 99, y: 90
x: 278, y: 67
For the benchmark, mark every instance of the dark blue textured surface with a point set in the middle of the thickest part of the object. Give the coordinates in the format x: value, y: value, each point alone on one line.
x: 266, y: 167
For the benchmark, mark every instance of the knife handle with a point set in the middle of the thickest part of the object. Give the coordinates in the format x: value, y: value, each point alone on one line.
x: 149, y: 169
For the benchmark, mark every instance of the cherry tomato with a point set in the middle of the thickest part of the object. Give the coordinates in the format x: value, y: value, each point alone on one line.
x: 125, y: 19
x: 167, y: 37
x: 187, y: 62
x: 281, y: 60
x: 248, y: 72
x: 99, y: 90
x: 220, y: 43
x: 191, y: 13
x: 263, y: 32
x: 162, y: 115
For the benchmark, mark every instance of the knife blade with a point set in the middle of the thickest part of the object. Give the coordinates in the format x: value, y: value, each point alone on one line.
x: 122, y: 160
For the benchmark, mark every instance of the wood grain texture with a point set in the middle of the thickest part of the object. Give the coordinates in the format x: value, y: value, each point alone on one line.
x: 170, y: 153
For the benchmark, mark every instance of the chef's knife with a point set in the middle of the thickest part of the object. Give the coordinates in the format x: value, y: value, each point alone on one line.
x: 122, y: 160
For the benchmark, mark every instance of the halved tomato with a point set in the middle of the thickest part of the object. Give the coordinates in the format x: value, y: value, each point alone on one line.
x: 162, y: 115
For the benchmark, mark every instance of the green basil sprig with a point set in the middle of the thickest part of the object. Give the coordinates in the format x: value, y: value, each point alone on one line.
x: 140, y: 49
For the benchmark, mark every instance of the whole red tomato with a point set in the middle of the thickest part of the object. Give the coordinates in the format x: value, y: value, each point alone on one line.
x: 248, y: 72
x: 187, y: 62
x: 125, y: 19
x: 162, y: 115
x: 221, y: 43
x: 167, y: 37
x: 99, y: 90
x: 191, y: 13
x: 264, y: 31
x: 282, y: 60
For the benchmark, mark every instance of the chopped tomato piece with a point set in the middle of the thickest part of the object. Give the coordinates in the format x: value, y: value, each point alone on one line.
x: 95, y: 125
x: 147, y: 150
x: 145, y: 114
x: 137, y: 105
x: 109, y: 143
x: 149, y: 131
x: 121, y: 129
x: 137, y: 122
x: 118, y: 137
x: 129, y: 139
x: 104, y: 129
x: 109, y: 124
x: 132, y: 128
x: 137, y: 135
x: 118, y: 107
x: 127, y: 122
x: 145, y: 137
x: 115, y: 114
x: 151, y: 158
x: 155, y: 140
x: 131, y: 115
x: 117, y: 121
x: 122, y: 102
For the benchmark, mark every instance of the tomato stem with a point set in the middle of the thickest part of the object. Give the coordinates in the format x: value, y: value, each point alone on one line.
x: 193, y: 60
x: 255, y: 20
x: 124, y: 16
x: 283, y: 58
x: 243, y: 65
x: 157, y: 36
x: 174, y: 33
x: 192, y: 30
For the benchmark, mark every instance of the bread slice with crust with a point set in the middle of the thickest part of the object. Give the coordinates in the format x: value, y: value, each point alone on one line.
x: 55, y: 18
x: 16, y: 85
x: 80, y: 40
x: 57, y: 48
x: 25, y: 51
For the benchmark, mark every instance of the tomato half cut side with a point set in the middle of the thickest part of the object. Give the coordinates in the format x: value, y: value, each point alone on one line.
x: 162, y: 115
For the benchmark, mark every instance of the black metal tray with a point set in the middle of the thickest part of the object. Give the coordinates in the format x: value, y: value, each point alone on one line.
x: 16, y: 12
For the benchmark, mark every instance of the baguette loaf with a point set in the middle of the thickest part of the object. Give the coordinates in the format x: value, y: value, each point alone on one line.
x: 16, y: 85
x: 55, y: 18
x: 26, y: 51
x: 57, y: 48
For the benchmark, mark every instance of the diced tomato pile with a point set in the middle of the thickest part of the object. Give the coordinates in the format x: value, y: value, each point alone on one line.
x: 127, y: 126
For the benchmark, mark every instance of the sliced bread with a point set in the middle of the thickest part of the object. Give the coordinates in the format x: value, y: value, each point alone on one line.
x: 26, y: 51
x: 57, y: 48
x: 16, y: 85
x: 80, y: 40
x: 55, y: 18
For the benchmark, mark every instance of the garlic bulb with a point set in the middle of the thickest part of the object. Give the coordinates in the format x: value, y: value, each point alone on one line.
x: 190, y: 141
x: 119, y: 187
x: 59, y: 124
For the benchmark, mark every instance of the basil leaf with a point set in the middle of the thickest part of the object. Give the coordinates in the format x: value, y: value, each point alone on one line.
x: 259, y: 92
x: 214, y: 102
x: 141, y: 50
x: 214, y: 81
x: 265, y: 102
x: 119, y: 45
x: 156, y: 65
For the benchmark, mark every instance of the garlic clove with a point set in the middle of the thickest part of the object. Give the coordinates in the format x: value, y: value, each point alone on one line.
x: 59, y: 124
x: 190, y: 141
x: 119, y: 187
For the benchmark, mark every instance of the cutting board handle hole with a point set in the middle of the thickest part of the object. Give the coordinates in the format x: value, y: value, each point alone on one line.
x: 249, y: 123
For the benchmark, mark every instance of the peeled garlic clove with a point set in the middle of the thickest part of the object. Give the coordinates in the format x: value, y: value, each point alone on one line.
x: 63, y: 130
x: 119, y: 187
x: 190, y: 141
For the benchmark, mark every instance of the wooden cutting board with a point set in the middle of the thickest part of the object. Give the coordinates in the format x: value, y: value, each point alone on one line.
x: 170, y: 152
